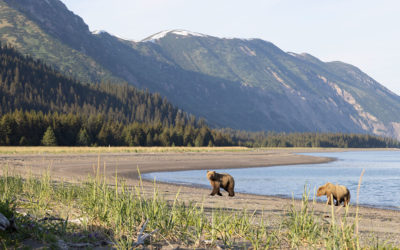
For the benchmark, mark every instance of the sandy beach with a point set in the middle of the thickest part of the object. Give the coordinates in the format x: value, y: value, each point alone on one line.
x: 382, y: 223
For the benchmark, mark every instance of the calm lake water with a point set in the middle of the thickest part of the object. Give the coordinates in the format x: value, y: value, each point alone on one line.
x: 380, y: 184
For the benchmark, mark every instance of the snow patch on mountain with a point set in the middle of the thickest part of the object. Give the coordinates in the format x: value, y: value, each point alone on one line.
x: 187, y: 33
x: 293, y: 54
x: 162, y: 34
x: 241, y: 39
x: 103, y: 32
x: 98, y: 32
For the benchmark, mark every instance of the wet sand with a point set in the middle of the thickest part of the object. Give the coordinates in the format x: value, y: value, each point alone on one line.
x: 383, y: 223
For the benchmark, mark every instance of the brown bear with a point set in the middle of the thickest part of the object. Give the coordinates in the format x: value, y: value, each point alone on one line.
x: 340, y: 193
x: 222, y: 180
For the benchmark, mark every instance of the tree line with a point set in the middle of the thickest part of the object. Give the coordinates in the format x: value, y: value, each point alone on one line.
x: 36, y: 128
x: 335, y: 140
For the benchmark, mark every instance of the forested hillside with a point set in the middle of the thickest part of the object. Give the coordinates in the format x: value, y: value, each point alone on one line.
x: 31, y: 85
x: 35, y: 98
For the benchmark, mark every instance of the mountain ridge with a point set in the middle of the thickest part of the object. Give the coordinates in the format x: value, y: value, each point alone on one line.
x: 246, y: 84
x: 180, y: 32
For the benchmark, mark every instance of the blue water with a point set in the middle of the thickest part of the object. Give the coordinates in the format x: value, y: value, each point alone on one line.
x: 380, y: 185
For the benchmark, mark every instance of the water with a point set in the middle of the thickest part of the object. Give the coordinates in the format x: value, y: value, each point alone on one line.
x: 380, y: 184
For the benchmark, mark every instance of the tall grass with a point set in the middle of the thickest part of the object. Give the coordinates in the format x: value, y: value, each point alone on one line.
x: 302, y: 224
x: 95, y: 212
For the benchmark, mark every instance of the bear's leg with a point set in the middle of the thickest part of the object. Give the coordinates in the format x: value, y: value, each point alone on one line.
x: 215, y: 191
x: 334, y: 199
x: 230, y: 191
x: 329, y: 200
x: 229, y: 188
x: 219, y: 193
x: 345, y: 201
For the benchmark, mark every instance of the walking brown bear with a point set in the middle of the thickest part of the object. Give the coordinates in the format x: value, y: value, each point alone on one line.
x: 339, y: 193
x: 222, y: 180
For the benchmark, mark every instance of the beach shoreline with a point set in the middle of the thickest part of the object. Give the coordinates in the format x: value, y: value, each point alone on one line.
x: 384, y: 223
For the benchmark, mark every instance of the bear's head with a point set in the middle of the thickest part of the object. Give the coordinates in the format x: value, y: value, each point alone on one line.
x: 321, y: 191
x: 210, y: 175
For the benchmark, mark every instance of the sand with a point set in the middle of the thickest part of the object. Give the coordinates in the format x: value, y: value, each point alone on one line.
x: 383, y: 223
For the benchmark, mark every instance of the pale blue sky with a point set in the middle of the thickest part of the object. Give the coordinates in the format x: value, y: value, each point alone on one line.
x: 365, y: 33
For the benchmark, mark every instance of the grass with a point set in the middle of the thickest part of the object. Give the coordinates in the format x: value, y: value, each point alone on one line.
x: 302, y: 224
x: 85, y: 150
x: 93, y: 213
x: 96, y: 150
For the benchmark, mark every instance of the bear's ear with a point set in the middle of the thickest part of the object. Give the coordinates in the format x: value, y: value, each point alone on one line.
x: 208, y: 171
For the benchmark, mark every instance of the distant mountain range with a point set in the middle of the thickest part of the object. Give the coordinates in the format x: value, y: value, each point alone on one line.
x: 247, y: 84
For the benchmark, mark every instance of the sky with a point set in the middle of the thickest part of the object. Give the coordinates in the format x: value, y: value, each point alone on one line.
x: 365, y: 33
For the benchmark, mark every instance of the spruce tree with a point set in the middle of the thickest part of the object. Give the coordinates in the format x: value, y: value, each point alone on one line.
x: 49, y: 138
x: 149, y: 140
x: 83, y: 138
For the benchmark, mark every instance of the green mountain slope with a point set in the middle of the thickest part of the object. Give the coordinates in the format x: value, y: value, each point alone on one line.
x: 37, y: 102
x: 28, y: 84
x: 243, y: 84
x: 27, y: 36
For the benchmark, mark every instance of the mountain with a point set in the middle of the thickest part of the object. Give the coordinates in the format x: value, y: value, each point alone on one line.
x: 28, y: 84
x: 247, y: 84
x: 325, y: 96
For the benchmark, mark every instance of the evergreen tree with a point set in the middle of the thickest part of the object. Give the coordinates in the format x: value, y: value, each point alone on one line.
x: 23, y: 141
x: 83, y: 138
x: 149, y: 140
x: 49, y: 138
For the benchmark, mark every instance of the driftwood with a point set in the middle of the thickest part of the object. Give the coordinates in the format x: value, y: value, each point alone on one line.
x: 4, y: 222
x: 7, y: 223
x: 142, y: 237
x: 51, y: 219
x: 140, y: 240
